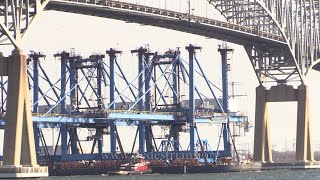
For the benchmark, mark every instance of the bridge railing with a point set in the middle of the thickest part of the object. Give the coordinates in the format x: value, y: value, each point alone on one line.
x: 194, y: 7
x: 174, y: 13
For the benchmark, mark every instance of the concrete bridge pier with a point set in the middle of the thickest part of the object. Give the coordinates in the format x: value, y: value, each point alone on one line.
x: 262, y: 144
x: 282, y: 93
x: 304, y: 149
x: 19, y: 146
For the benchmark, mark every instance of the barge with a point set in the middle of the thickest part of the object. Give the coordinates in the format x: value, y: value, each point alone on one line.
x: 141, y: 166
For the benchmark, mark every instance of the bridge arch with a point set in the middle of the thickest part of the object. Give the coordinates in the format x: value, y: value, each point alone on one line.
x: 258, y: 15
x: 233, y: 11
x: 315, y: 65
x: 300, y: 32
x: 296, y: 22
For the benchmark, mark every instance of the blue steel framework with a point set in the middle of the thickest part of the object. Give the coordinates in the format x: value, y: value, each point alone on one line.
x: 225, y: 68
x: 153, y: 75
x: 112, y: 127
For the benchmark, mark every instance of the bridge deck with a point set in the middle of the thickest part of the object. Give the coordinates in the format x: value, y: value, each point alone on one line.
x: 169, y: 19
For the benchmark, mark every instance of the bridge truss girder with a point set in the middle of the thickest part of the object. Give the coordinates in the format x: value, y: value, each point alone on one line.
x: 15, y: 18
x: 296, y: 21
x: 272, y: 64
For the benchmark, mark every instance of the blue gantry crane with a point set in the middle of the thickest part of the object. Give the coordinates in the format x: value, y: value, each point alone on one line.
x: 78, y: 99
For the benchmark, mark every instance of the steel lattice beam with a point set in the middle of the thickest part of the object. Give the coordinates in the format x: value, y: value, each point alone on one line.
x: 15, y: 18
x: 295, y: 21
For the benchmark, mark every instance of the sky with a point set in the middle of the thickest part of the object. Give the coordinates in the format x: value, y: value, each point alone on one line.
x: 57, y: 31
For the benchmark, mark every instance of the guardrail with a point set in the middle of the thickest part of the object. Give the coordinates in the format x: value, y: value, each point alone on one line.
x: 178, y: 15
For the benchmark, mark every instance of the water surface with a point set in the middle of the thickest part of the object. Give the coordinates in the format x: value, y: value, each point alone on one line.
x: 313, y: 174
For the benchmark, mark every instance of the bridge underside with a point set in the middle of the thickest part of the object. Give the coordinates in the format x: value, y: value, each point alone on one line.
x: 221, y: 31
x: 269, y: 54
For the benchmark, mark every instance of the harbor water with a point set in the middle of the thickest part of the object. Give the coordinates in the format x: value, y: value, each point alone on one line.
x: 312, y: 174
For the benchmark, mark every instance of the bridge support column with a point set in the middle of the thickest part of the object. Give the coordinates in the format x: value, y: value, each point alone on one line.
x: 18, y: 129
x: 304, y: 149
x: 282, y: 93
x: 19, y: 145
x: 262, y: 145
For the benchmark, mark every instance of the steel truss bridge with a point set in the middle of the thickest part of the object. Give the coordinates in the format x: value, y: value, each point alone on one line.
x: 281, y: 37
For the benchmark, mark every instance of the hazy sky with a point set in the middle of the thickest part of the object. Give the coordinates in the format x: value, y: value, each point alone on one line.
x: 56, y: 31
